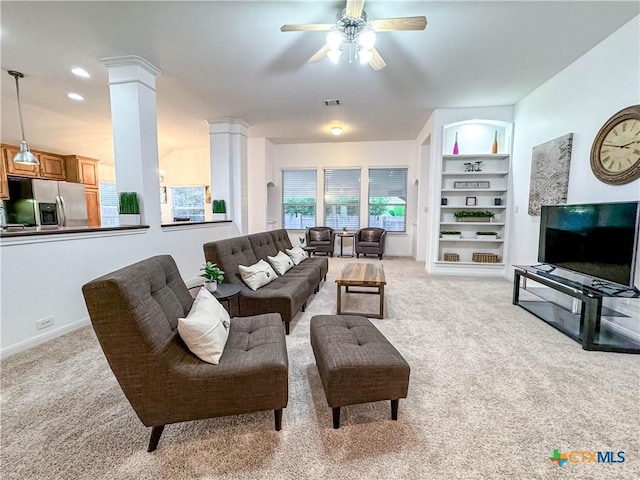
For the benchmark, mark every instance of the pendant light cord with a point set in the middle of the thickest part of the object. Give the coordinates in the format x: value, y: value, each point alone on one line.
x: 19, y: 105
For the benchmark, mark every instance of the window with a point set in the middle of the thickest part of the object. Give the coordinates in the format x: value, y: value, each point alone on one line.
x: 187, y: 203
x: 388, y: 199
x: 342, y: 198
x: 298, y: 199
x: 109, y: 204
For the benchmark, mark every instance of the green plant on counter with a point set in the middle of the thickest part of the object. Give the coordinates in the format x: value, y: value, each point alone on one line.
x: 473, y: 213
x: 212, y: 273
x: 486, y: 233
x: 450, y: 232
x: 219, y: 206
x: 128, y: 203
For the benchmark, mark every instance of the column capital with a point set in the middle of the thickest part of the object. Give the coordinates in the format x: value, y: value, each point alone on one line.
x: 228, y: 125
x: 131, y: 68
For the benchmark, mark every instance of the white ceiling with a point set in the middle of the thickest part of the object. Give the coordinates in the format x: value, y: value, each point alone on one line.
x: 229, y: 59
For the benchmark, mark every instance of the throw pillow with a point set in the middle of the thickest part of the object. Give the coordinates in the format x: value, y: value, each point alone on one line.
x: 282, y: 263
x: 257, y: 275
x: 297, y: 254
x: 206, y: 328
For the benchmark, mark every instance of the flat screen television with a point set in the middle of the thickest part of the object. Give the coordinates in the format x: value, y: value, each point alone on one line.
x: 599, y: 240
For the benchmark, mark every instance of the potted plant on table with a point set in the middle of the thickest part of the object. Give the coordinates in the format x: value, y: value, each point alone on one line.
x: 128, y: 208
x: 212, y: 276
x: 473, y: 215
x: 219, y: 210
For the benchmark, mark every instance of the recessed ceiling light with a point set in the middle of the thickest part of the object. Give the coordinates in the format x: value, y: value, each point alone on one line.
x: 336, y: 130
x: 75, y: 96
x: 80, y: 72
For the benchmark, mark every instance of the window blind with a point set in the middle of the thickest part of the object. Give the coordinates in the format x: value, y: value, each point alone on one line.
x: 342, y: 198
x: 388, y: 199
x: 298, y: 199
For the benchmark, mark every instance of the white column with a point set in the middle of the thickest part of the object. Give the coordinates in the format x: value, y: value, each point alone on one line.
x: 132, y: 84
x: 228, y: 150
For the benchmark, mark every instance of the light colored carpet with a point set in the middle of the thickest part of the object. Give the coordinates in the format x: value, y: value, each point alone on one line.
x: 493, y: 391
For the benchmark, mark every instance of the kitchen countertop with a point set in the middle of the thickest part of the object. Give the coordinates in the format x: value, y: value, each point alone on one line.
x: 33, y: 231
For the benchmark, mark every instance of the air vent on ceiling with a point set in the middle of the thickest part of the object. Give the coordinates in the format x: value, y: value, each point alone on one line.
x: 332, y: 103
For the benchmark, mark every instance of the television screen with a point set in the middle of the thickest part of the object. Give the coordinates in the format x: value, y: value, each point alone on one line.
x: 599, y: 240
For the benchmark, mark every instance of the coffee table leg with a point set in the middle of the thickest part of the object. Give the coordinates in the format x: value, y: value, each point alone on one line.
x: 381, y: 290
x: 339, y: 293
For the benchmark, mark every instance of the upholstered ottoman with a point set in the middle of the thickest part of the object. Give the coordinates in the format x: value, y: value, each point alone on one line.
x: 357, y: 364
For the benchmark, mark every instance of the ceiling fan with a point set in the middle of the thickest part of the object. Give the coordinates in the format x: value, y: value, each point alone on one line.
x: 352, y: 29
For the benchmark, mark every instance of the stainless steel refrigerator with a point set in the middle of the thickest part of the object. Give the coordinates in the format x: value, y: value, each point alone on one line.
x: 69, y: 200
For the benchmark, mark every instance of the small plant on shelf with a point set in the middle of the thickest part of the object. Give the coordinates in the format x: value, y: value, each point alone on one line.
x: 450, y: 234
x: 473, y: 215
x: 487, y: 233
x: 219, y: 209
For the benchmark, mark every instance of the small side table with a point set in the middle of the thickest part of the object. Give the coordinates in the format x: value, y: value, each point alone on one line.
x: 309, y: 250
x: 224, y: 293
x: 342, y: 237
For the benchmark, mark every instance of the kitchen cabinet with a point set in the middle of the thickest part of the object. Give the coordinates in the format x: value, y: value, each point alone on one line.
x: 85, y: 170
x: 93, y: 206
x: 18, y: 169
x: 51, y: 167
x: 4, y: 186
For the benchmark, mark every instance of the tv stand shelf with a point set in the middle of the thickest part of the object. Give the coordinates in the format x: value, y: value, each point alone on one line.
x: 582, y: 320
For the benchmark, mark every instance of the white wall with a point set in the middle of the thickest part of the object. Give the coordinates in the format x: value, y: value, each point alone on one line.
x: 354, y: 154
x: 579, y: 99
x: 257, y: 184
x: 43, y: 277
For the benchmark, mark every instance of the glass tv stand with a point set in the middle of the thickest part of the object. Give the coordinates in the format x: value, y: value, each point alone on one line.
x: 575, y: 307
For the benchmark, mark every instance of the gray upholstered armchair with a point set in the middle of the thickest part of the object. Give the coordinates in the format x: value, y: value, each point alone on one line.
x: 370, y: 241
x: 322, y: 238
x: 134, y: 312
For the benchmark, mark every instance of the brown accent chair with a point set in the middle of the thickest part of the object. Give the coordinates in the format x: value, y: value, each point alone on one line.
x: 370, y: 241
x: 323, y: 239
x: 134, y: 312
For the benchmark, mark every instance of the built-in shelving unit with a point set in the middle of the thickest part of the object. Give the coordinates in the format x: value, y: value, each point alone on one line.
x: 473, y: 180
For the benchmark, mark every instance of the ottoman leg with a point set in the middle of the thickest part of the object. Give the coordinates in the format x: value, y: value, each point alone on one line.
x: 277, y: 414
x: 394, y: 409
x: 336, y: 417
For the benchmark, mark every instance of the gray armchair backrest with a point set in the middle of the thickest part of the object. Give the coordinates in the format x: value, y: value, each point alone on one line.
x: 326, y: 234
x: 371, y: 234
x: 228, y: 254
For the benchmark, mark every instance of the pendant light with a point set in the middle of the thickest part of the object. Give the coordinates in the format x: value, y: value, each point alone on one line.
x: 24, y: 156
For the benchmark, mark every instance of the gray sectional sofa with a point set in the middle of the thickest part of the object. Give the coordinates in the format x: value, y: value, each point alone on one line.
x: 287, y: 294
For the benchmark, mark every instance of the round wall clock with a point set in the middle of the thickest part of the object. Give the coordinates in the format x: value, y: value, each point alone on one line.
x: 615, y: 155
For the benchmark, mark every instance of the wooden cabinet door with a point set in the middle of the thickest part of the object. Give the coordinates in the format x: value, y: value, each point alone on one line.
x: 93, y: 206
x: 52, y: 167
x: 4, y: 186
x: 17, y: 168
x: 88, y: 171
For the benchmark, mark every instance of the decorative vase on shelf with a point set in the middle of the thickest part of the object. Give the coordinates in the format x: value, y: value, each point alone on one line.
x: 455, y: 145
x: 494, y: 146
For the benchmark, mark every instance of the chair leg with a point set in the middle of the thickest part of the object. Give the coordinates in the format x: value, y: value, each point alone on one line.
x: 336, y: 417
x: 304, y: 306
x: 394, y: 409
x: 357, y: 255
x: 156, y: 432
x: 278, y: 418
x: 286, y: 328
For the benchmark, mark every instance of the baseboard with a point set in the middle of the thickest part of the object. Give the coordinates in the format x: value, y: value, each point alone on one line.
x: 42, y: 338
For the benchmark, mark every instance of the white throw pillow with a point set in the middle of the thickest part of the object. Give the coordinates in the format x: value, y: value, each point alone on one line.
x: 282, y: 263
x: 257, y: 275
x: 206, y: 328
x: 297, y: 254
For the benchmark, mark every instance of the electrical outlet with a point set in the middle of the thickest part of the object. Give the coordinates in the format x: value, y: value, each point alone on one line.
x: 44, y: 323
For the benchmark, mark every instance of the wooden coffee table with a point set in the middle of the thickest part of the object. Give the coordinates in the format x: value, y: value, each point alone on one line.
x: 361, y: 275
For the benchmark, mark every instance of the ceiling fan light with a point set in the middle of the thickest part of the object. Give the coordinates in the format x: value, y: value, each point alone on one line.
x: 364, y: 55
x: 367, y: 39
x: 336, y: 130
x: 334, y: 39
x: 334, y: 55
x: 24, y: 156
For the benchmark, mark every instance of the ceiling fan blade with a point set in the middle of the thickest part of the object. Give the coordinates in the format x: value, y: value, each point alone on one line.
x: 310, y: 27
x: 354, y: 8
x: 320, y: 54
x: 403, y: 23
x: 376, y: 62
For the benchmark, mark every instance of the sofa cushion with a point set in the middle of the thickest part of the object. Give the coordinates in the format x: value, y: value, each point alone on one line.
x: 297, y: 254
x: 281, y: 263
x: 320, y: 235
x: 262, y: 245
x: 257, y: 275
x: 205, y: 329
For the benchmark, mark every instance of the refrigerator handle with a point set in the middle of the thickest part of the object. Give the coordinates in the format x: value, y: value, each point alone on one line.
x: 62, y: 221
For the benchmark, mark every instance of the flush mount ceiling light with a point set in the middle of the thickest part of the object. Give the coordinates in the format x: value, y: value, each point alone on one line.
x: 80, y: 72
x: 24, y: 155
x: 336, y: 130
x: 354, y: 32
x: 75, y: 96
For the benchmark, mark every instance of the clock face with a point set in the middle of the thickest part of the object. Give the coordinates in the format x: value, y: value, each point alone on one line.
x: 615, y: 155
x: 620, y: 149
